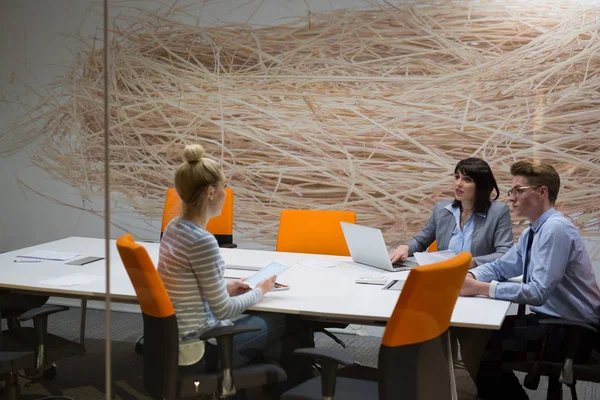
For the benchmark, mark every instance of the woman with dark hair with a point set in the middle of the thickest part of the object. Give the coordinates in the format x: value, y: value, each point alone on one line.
x: 471, y: 222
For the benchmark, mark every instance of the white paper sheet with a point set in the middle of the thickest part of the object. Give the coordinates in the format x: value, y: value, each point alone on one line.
x: 316, y: 263
x: 49, y: 255
x: 233, y: 273
x: 436, y: 256
x: 72, y: 280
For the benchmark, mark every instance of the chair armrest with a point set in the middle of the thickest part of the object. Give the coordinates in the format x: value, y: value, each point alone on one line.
x: 231, y: 330
x: 229, y: 246
x: 43, y: 311
x: 568, y: 322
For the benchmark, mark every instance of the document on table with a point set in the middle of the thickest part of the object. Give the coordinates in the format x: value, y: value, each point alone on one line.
x: 233, y: 273
x: 433, y: 257
x: 49, y: 255
x: 72, y: 280
x: 316, y: 263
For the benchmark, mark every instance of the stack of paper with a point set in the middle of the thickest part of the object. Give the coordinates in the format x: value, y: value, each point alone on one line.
x: 72, y: 280
x: 433, y: 257
x: 49, y: 255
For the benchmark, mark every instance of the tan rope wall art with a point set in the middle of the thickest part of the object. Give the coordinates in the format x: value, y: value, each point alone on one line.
x: 358, y: 110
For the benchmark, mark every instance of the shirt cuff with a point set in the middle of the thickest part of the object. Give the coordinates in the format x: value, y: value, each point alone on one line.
x: 492, y: 292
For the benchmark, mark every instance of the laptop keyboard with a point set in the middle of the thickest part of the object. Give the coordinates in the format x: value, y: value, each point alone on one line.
x: 400, y: 267
x: 406, y: 265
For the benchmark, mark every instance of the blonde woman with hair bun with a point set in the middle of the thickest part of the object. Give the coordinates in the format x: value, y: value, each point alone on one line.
x: 192, y: 269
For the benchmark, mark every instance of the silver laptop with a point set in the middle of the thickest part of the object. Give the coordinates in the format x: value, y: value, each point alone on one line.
x: 367, y: 247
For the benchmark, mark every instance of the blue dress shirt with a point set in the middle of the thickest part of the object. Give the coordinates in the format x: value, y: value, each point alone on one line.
x: 461, y: 240
x: 560, y: 281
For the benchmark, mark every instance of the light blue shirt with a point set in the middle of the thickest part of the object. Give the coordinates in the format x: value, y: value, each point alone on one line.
x: 560, y: 280
x: 461, y: 240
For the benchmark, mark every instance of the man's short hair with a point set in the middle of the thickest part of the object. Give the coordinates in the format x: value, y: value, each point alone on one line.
x: 538, y: 174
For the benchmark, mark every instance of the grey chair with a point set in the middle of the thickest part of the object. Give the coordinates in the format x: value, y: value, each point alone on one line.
x: 13, y: 357
x: 568, y: 371
x: 32, y: 349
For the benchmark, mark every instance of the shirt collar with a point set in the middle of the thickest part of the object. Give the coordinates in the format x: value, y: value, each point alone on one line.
x: 543, y: 218
x: 456, y: 211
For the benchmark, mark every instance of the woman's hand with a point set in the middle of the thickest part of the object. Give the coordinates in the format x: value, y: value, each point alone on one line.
x: 237, y: 287
x: 266, y: 285
x: 399, y: 254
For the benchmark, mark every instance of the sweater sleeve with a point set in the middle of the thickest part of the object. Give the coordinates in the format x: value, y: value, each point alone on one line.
x: 204, y: 258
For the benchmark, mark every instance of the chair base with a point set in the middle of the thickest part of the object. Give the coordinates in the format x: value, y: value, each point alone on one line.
x: 11, y: 389
x: 139, y: 345
x: 345, y: 388
x: 249, y: 376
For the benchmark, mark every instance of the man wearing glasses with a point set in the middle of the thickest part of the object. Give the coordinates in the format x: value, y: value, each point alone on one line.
x: 558, y: 281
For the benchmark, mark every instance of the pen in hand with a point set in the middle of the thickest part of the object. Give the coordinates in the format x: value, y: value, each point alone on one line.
x: 27, y: 261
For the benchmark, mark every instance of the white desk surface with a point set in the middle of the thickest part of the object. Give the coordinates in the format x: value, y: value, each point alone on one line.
x: 315, y: 291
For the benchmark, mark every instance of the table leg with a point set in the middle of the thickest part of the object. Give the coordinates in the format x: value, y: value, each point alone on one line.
x: 453, y: 391
x: 82, y: 325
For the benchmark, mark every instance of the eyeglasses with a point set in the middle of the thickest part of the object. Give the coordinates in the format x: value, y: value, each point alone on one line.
x: 518, y: 190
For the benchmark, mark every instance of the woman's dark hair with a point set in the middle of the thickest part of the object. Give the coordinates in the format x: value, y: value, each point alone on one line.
x: 485, y: 183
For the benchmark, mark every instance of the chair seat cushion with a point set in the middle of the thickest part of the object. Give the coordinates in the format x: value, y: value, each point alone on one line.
x: 345, y: 388
x: 13, y: 355
x: 249, y: 376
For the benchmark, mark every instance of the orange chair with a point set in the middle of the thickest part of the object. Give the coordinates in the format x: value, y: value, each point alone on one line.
x: 415, y: 359
x: 432, y: 247
x: 313, y: 231
x: 162, y: 378
x: 220, y: 226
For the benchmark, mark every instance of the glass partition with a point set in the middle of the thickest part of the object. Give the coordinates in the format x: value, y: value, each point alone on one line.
x: 344, y: 105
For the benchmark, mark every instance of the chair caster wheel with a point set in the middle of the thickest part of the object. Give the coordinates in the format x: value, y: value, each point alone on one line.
x: 50, y: 373
x: 139, y: 348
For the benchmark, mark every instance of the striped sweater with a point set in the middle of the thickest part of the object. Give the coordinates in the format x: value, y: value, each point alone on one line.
x: 192, y: 269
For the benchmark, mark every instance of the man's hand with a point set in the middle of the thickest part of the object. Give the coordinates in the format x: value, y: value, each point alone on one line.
x: 472, y: 287
x: 237, y: 287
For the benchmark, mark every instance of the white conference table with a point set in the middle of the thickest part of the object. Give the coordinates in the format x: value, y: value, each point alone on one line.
x: 315, y: 292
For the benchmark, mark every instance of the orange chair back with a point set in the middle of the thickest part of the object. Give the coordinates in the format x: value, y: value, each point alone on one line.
x: 172, y: 208
x: 223, y: 224
x: 149, y: 288
x: 432, y: 247
x: 313, y: 231
x: 219, y: 225
x: 425, y: 306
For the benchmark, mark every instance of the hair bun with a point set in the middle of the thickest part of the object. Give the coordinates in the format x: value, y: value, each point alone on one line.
x: 193, y: 153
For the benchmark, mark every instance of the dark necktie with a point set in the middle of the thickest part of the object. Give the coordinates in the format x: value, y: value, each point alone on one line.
x: 527, y: 257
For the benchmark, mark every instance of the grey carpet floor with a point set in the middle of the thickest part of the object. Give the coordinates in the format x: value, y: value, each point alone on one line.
x: 83, y: 378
